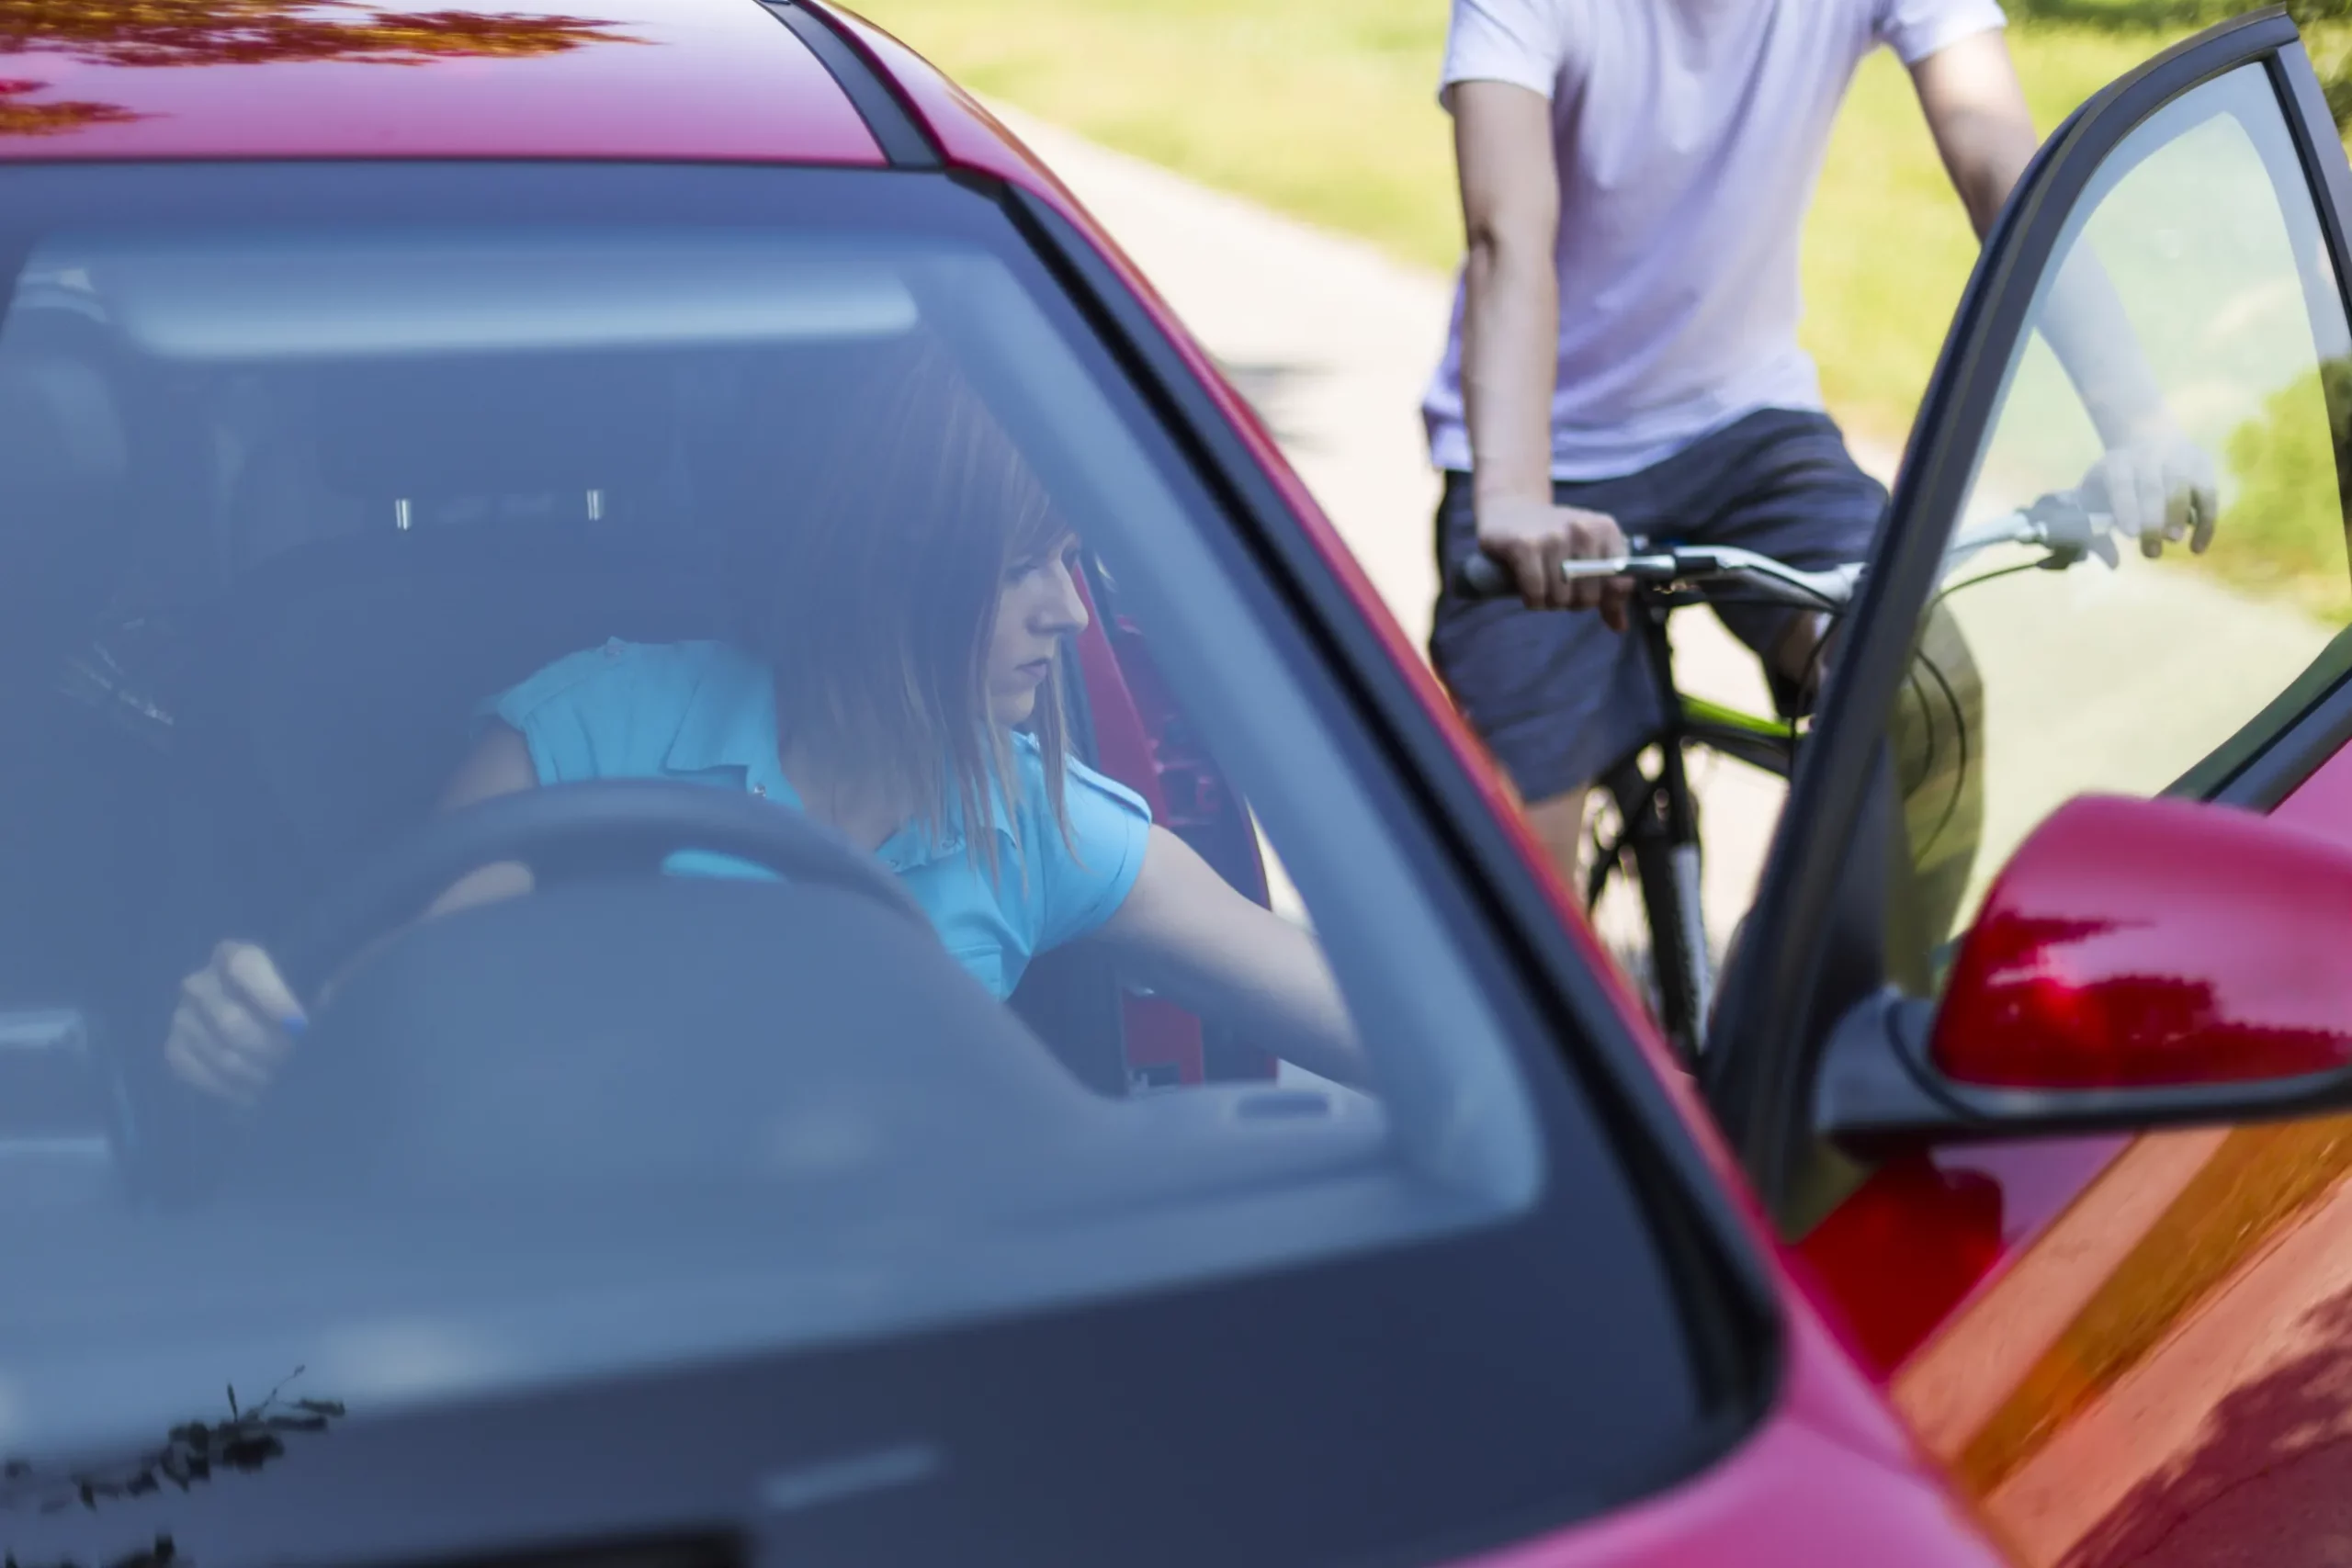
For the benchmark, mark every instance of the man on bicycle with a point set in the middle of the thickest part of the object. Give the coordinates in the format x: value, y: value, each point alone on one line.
x: 1624, y: 357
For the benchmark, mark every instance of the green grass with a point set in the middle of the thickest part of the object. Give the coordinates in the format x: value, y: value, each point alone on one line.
x: 1323, y: 108
x: 1887, y: 248
x: 2284, y: 537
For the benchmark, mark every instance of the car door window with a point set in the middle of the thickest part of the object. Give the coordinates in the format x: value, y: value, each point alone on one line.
x: 2197, y: 262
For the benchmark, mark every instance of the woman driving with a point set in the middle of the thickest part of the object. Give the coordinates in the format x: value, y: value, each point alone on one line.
x: 898, y: 681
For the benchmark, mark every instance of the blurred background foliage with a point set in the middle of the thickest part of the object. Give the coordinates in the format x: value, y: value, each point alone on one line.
x: 1326, y: 110
x: 2325, y: 25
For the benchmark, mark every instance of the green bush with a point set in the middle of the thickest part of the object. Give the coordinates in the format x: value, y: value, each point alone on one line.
x: 2326, y: 24
x: 2284, y: 530
x: 2327, y: 33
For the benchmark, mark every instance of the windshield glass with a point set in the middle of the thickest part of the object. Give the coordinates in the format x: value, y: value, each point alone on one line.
x: 611, y: 773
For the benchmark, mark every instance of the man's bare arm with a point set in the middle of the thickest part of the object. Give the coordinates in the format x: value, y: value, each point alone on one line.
x: 2158, y: 485
x: 1510, y: 333
x: 1976, y: 110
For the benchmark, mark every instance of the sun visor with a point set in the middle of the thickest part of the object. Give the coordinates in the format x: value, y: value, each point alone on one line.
x: 260, y: 297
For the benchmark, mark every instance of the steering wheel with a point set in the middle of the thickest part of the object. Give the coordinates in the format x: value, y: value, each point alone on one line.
x: 574, y: 832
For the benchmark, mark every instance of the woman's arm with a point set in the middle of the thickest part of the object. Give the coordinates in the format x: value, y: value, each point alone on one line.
x: 237, y: 1019
x: 499, y: 764
x: 1186, y: 933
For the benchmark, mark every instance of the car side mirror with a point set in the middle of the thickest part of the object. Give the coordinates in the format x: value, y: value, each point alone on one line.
x: 2138, y: 964
x: 62, y: 1119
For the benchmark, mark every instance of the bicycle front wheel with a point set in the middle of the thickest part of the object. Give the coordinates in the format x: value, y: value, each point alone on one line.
x: 1643, y: 885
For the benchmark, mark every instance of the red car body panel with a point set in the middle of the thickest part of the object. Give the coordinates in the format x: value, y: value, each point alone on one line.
x: 2127, y: 1349
x: 2077, y: 973
x: 1828, y: 1476
x: 708, y: 80
x: 1906, y: 1252
x: 1927, y: 1234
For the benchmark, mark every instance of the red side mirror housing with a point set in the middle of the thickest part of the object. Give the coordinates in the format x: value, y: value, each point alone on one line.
x: 2139, y: 963
x: 2154, y: 944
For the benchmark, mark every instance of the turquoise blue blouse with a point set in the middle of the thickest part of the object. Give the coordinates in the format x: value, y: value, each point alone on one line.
x: 705, y: 713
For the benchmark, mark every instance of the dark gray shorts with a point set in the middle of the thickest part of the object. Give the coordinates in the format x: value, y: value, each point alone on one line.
x: 1558, y: 696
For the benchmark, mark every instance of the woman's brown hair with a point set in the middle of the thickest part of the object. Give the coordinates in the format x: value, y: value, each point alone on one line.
x: 873, y: 583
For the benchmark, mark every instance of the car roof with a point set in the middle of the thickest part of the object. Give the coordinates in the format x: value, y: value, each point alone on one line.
x: 722, y: 79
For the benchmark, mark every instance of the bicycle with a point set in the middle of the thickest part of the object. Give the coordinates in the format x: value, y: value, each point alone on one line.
x: 1647, y: 827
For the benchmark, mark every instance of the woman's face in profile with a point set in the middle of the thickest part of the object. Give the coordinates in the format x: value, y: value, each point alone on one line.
x: 1038, y: 605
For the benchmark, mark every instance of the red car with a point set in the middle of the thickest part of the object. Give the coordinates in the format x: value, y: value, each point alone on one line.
x: 373, y: 377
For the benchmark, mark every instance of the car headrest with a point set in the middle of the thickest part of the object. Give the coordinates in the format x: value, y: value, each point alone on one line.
x: 63, y: 483
x: 62, y: 425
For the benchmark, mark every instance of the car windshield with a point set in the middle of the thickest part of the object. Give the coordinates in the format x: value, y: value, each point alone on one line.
x: 1039, y: 940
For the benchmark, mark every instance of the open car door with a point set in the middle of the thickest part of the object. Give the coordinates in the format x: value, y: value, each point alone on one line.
x: 1968, y: 997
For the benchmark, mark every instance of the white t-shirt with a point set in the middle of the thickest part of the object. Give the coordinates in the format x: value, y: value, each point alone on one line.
x: 1690, y: 134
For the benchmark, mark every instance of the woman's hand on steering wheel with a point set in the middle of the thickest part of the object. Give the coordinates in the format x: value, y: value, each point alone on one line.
x: 239, y: 1016
x: 235, y: 1024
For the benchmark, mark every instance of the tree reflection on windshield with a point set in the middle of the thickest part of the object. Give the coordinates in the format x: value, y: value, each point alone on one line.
x: 146, y: 33
x: 191, y: 1453
x: 20, y: 119
x: 257, y: 32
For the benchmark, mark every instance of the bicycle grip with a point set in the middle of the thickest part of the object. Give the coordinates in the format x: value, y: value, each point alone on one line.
x: 1483, y: 577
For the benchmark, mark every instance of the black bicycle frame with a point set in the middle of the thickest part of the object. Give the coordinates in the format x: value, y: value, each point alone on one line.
x: 1659, y: 813
x: 1660, y: 831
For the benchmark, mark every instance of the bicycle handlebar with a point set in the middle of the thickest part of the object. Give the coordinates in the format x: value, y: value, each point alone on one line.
x: 2059, y: 522
x: 1482, y: 576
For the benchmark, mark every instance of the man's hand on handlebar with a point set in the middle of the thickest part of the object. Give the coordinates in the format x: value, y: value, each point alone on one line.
x: 1531, y: 537
x: 2159, y: 486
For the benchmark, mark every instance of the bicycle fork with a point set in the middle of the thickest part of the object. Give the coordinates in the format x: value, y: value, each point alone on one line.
x: 1661, y: 830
